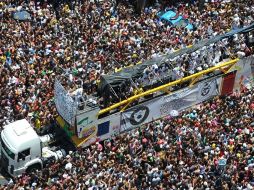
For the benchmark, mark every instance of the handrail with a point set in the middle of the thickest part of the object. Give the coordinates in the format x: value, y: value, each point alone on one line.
x: 140, y: 62
x: 160, y: 88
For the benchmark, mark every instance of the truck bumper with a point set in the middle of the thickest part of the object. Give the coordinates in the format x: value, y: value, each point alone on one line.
x: 10, y: 170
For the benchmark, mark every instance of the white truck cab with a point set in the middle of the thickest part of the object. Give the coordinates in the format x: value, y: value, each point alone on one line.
x: 22, y: 149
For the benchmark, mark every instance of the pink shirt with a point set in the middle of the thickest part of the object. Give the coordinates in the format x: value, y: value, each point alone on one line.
x: 99, y: 147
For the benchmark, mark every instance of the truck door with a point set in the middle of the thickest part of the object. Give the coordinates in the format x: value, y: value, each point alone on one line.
x: 24, y: 157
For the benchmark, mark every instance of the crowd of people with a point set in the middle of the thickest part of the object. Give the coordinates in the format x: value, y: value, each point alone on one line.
x: 187, y: 64
x: 88, y: 39
x: 210, y: 146
x: 91, y: 38
x: 164, y: 70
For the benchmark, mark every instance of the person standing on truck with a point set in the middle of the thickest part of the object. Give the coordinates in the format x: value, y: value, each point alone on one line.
x: 37, y: 124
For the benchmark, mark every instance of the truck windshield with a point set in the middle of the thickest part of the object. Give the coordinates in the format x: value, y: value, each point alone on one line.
x: 7, y: 150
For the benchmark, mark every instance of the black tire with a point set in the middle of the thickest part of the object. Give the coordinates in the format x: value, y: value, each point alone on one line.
x: 33, y: 168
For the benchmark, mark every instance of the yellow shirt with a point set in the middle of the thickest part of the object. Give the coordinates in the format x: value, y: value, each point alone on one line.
x: 231, y: 148
x: 3, y: 58
x: 37, y: 123
x: 66, y: 9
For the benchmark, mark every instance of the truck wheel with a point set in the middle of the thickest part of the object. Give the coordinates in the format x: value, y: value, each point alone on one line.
x: 33, y: 168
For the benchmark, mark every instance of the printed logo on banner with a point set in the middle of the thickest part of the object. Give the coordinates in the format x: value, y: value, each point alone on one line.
x: 139, y: 115
x: 177, y: 104
x: 85, y: 121
x: 207, y: 88
x: 177, y: 95
x: 89, y: 132
x: 243, y: 78
x: 178, y: 100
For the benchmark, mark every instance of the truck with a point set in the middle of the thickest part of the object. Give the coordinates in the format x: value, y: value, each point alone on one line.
x: 24, y: 151
x: 83, y: 120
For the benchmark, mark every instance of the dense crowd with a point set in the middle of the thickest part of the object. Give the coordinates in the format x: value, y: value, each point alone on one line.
x: 91, y: 38
x: 187, y: 64
x: 206, y: 147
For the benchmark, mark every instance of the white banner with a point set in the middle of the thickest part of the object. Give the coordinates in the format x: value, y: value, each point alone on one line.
x: 86, y: 120
x: 90, y: 129
x: 65, y: 105
x: 162, y: 106
x: 113, y: 121
x: 244, y: 75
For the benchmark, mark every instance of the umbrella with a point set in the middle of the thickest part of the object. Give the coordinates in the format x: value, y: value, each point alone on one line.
x: 22, y: 15
x: 174, y: 113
